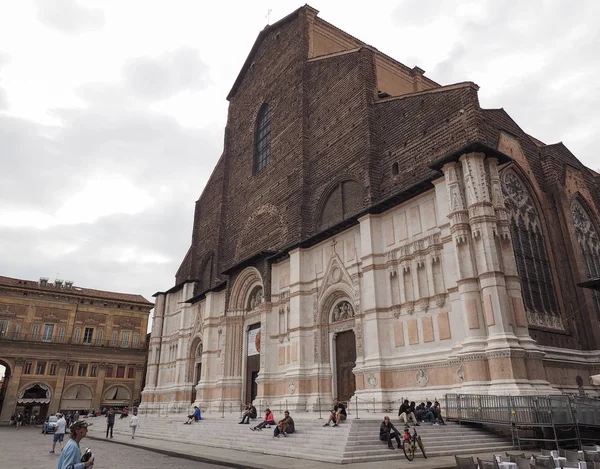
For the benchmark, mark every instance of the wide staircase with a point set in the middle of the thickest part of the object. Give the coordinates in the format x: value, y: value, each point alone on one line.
x: 356, y: 440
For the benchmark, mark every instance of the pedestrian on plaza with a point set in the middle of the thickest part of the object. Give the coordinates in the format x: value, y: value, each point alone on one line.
x: 13, y: 420
x: 338, y: 414
x: 59, y: 433
x: 19, y: 419
x: 134, y: 421
x: 284, y: 426
x: 194, y: 417
x: 70, y: 457
x: 110, y: 422
x: 249, y: 413
x: 387, y: 431
x: 267, y: 421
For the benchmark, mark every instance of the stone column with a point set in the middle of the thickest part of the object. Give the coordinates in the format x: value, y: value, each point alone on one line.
x: 466, y: 269
x: 10, y: 398
x: 55, y: 404
x: 137, y: 385
x: 484, y: 228
x: 100, y: 385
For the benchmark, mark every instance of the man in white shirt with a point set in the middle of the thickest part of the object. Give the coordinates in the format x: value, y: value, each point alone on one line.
x: 59, y: 433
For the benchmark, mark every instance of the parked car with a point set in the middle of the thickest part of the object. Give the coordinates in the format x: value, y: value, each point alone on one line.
x: 50, y: 424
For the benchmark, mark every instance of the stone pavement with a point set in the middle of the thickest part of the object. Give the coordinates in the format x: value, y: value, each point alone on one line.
x: 251, y: 460
x: 27, y: 448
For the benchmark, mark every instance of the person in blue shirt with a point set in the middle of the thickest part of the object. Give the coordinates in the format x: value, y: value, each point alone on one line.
x: 70, y: 457
x: 194, y: 417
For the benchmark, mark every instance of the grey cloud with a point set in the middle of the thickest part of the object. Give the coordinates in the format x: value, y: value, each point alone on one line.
x: 69, y: 16
x: 47, y: 164
x: 164, y: 76
x: 559, y: 44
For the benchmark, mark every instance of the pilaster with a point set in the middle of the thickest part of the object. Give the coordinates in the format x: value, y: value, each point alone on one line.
x: 10, y: 399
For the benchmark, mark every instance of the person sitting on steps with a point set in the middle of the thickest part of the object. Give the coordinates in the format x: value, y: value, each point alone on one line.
x: 434, y: 414
x: 249, y: 413
x: 194, y: 417
x: 407, y: 412
x: 387, y: 431
x: 267, y: 422
x: 284, y: 426
x: 338, y: 414
x: 420, y: 412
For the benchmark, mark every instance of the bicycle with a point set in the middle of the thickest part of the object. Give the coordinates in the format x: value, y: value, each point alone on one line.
x: 409, y: 445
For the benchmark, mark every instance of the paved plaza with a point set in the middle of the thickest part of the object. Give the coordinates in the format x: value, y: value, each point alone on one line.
x: 27, y: 448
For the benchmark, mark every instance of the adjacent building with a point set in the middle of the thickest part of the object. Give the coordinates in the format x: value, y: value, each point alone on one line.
x: 69, y: 348
x: 369, y: 233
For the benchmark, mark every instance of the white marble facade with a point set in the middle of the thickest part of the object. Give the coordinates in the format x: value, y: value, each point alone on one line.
x: 430, y: 289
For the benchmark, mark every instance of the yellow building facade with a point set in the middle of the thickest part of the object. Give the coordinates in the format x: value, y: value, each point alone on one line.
x: 69, y: 348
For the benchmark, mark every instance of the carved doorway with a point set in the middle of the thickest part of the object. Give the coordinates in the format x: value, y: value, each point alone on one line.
x: 345, y: 361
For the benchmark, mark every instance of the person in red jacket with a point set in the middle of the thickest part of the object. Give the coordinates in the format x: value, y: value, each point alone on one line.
x: 268, y: 420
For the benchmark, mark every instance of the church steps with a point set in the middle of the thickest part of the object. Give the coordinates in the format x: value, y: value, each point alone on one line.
x: 354, y: 441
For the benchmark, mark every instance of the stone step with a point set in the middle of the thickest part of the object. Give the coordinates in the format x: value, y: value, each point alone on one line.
x: 353, y: 441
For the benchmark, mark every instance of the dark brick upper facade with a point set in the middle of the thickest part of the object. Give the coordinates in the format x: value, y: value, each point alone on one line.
x: 339, y: 125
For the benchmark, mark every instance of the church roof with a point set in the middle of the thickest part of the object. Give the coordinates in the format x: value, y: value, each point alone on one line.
x: 74, y: 291
x: 260, y: 38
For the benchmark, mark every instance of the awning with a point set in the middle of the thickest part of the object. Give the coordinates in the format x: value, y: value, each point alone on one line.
x: 33, y: 401
x: 595, y: 380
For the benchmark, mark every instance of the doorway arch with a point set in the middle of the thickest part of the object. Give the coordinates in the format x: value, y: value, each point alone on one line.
x: 195, y: 365
x: 77, y: 397
x: 5, y: 381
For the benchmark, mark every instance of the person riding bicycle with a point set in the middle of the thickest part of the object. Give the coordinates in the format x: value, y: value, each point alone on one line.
x: 387, y: 431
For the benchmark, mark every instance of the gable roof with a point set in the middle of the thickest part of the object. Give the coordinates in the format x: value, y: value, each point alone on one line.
x: 259, y: 39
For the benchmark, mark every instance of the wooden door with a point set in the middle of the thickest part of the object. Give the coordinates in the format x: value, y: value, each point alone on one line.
x: 345, y: 361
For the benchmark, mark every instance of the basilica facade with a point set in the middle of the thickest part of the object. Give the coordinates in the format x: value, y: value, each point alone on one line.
x: 370, y: 234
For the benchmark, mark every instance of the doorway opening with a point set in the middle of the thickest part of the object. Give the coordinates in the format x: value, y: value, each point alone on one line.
x: 345, y: 361
x: 252, y: 362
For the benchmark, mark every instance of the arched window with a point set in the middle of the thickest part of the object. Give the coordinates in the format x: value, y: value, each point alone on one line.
x: 77, y: 335
x: 262, y: 139
x: 136, y: 339
x: 61, y: 334
x: 99, y: 337
x: 539, y: 295
x: 115, y: 338
x: 589, y: 245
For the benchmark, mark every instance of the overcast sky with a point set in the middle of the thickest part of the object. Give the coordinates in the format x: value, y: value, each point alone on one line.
x: 112, y: 111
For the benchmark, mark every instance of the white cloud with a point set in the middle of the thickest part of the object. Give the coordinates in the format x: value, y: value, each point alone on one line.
x: 112, y: 115
x: 99, y: 197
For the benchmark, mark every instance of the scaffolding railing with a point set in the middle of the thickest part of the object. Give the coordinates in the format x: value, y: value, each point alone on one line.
x: 564, y: 415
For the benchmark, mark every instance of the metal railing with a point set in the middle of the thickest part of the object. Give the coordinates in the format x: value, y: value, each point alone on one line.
x: 556, y: 419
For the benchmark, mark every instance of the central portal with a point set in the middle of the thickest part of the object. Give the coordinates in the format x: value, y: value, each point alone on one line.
x: 253, y: 362
x: 345, y: 361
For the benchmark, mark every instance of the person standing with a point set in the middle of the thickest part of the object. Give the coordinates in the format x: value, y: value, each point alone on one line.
x: 110, y: 422
x: 70, y: 457
x: 19, y: 420
x: 59, y: 433
x: 134, y: 421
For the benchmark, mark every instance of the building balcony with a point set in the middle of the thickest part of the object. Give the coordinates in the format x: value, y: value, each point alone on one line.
x: 31, y: 338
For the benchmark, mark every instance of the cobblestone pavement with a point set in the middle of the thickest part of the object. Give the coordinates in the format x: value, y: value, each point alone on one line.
x: 27, y: 448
